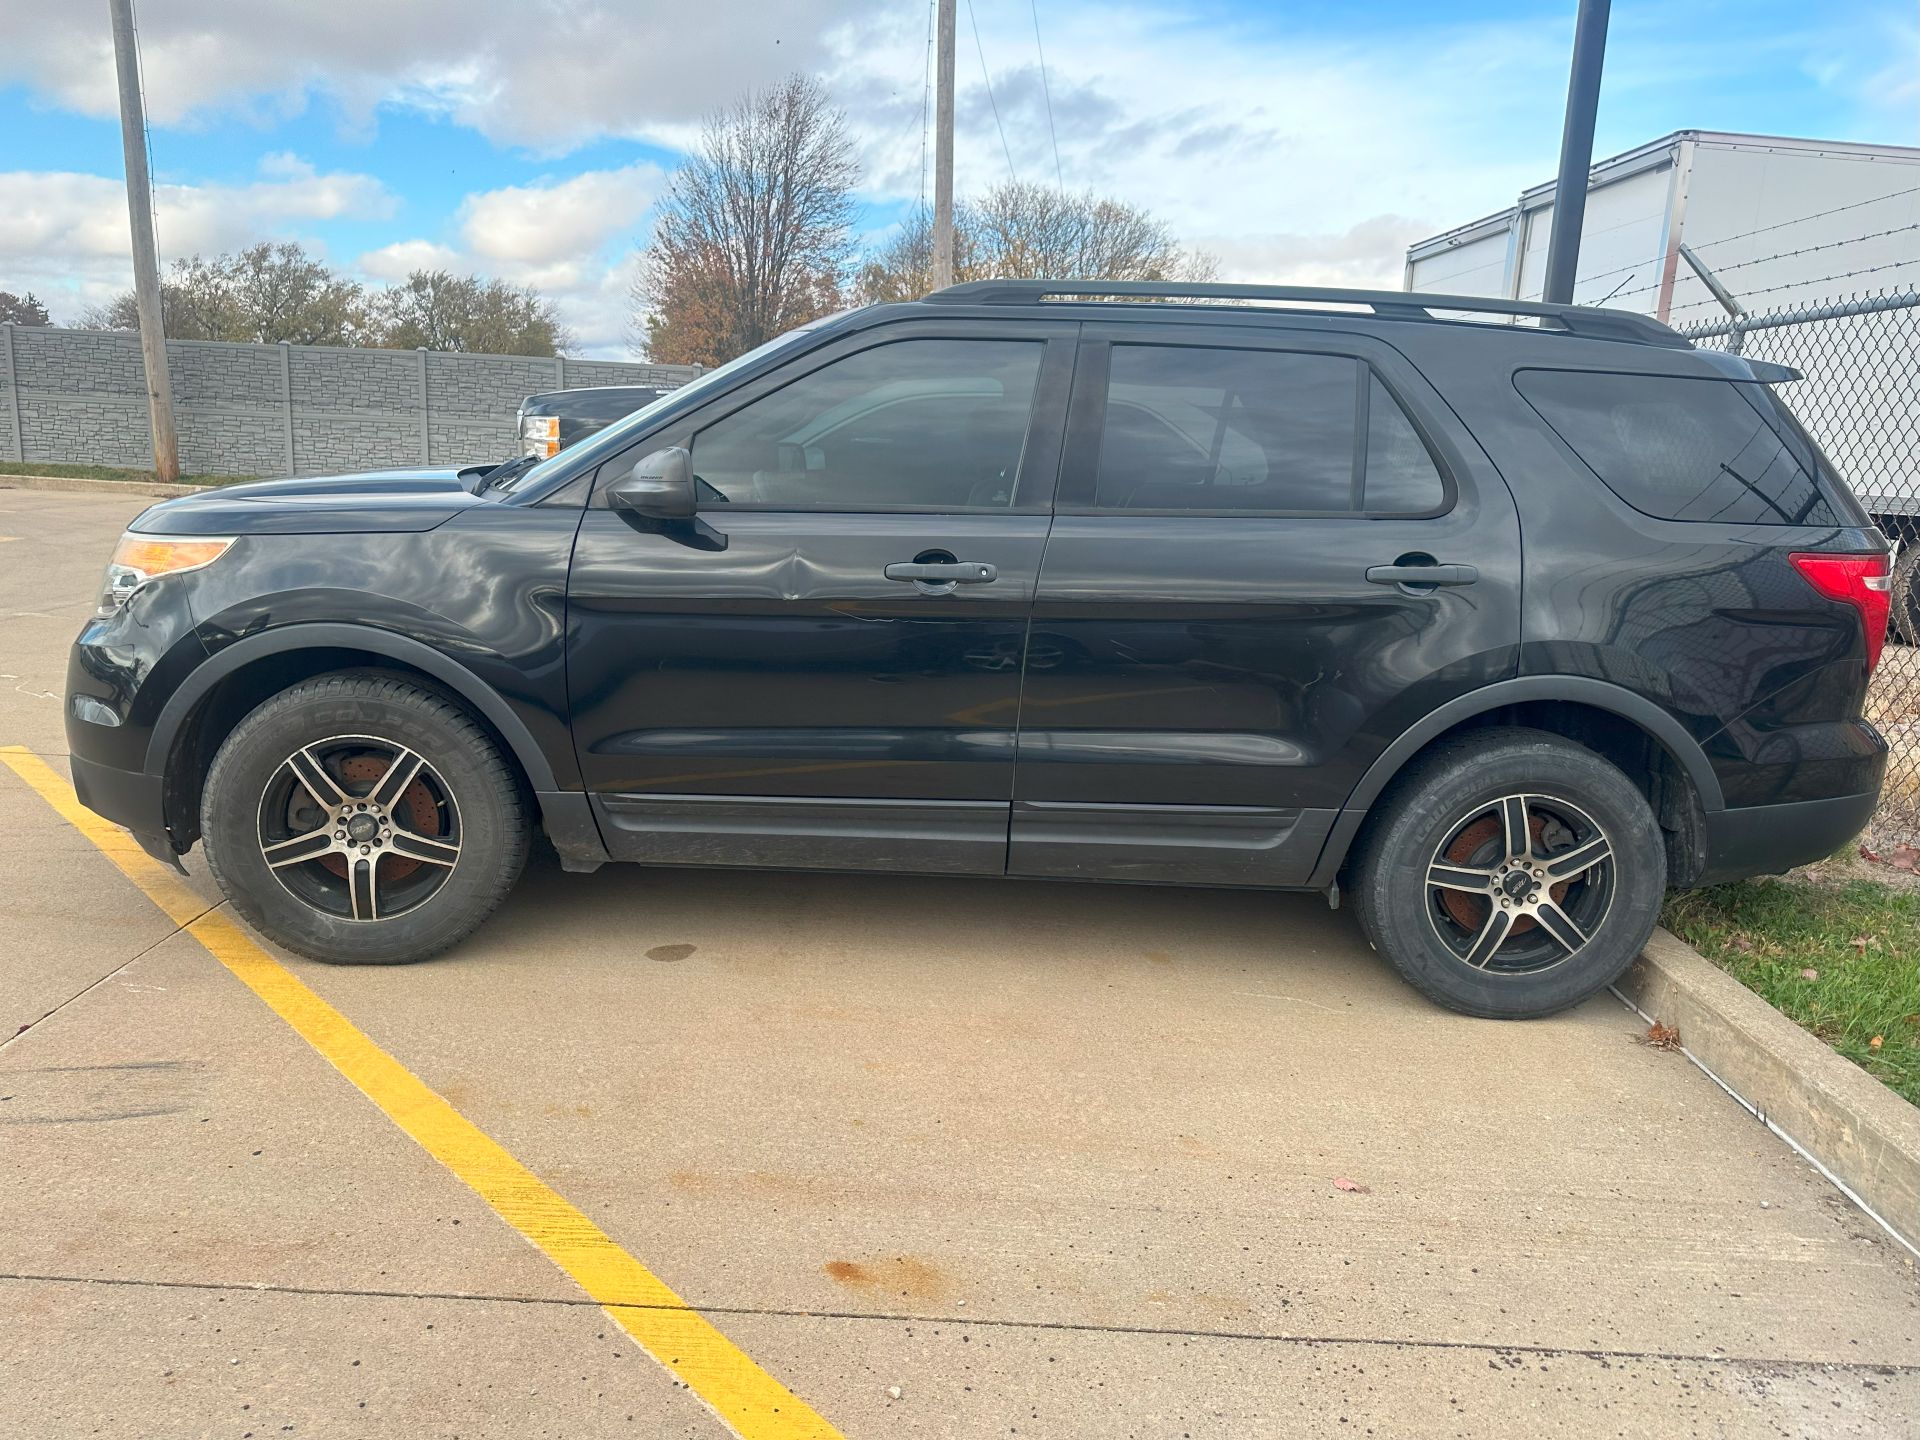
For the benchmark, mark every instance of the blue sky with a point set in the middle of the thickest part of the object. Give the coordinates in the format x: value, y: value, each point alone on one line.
x: 1301, y: 142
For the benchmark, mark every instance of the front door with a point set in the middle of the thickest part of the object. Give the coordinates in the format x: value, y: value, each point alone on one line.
x: 823, y: 668
x: 1231, y: 621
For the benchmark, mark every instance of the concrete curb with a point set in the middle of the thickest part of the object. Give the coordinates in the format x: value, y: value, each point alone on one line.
x: 74, y: 483
x: 1862, y: 1134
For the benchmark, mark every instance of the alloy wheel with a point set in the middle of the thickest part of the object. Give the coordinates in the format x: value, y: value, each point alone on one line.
x: 358, y: 827
x: 1521, y: 884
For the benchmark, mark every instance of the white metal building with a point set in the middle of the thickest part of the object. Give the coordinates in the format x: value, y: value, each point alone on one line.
x: 1781, y: 222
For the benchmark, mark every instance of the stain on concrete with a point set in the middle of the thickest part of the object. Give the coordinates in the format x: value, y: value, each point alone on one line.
x: 903, y: 1276
x: 667, y: 954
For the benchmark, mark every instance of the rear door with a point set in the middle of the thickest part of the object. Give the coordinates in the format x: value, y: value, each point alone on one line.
x: 1232, y: 621
x: 780, y: 681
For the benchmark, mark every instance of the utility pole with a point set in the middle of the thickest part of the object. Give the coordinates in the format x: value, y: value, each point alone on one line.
x: 1576, y: 150
x: 943, y: 147
x: 146, y: 263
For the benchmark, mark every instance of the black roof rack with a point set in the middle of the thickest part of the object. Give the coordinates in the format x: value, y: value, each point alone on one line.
x: 1584, y: 320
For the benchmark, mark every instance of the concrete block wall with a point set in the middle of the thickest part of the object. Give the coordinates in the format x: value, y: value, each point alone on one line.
x: 79, y: 397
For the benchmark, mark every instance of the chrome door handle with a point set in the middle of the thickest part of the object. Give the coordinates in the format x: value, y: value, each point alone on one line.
x: 942, y: 572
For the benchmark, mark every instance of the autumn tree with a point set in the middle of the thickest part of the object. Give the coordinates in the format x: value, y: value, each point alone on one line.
x: 436, y: 310
x: 755, y: 233
x: 22, y: 309
x: 1020, y: 230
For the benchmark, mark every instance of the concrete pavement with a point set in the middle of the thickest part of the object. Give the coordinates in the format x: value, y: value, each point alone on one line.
x: 1048, y: 1160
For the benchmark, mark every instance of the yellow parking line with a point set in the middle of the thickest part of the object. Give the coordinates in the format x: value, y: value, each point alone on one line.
x: 751, y: 1402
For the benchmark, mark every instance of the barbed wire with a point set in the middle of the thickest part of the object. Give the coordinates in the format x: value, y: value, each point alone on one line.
x: 1799, y: 284
x: 1749, y: 234
x: 1803, y: 219
x: 1787, y: 255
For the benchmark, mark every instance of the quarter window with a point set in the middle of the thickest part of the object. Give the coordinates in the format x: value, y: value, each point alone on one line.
x: 917, y: 423
x: 1197, y: 428
x: 1682, y: 449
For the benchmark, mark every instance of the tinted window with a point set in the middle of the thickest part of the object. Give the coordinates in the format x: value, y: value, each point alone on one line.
x: 610, y: 405
x: 1680, y: 449
x: 919, y: 422
x: 1401, y: 476
x: 1193, y: 428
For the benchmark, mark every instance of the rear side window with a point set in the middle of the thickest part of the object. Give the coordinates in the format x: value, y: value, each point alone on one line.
x: 1681, y: 449
x: 1198, y: 428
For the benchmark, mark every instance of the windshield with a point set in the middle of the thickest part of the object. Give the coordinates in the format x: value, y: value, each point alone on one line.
x: 610, y: 440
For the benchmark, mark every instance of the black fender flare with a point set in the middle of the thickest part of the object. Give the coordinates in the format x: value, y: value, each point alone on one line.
x: 320, y: 635
x: 1576, y: 689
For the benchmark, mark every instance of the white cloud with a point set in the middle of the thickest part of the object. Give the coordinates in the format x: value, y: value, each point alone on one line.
x: 403, y: 257
x: 547, y: 76
x: 570, y: 239
x: 553, y: 221
x: 65, y: 235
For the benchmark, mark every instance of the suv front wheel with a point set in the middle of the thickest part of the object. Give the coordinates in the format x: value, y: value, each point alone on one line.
x: 1512, y: 874
x: 362, y: 820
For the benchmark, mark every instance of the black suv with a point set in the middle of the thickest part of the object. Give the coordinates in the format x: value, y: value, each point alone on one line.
x: 1500, y: 629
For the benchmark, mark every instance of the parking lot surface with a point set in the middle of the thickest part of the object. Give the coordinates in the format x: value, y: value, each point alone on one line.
x: 944, y: 1157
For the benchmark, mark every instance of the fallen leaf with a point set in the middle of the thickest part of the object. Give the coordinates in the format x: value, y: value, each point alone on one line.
x: 1809, y: 974
x: 1743, y: 944
x: 1875, y: 1042
x: 1352, y: 1187
x: 1863, y: 943
x: 1662, y: 1036
x: 1866, y: 854
x: 1905, y: 857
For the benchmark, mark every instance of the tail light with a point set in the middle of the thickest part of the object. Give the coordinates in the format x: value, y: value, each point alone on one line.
x: 1862, y: 581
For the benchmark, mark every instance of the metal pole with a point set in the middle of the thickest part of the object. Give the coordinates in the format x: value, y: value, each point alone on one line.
x: 146, y: 263
x: 1720, y: 292
x: 1576, y: 151
x: 943, y: 147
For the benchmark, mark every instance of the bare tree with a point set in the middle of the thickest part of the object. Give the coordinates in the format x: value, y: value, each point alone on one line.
x: 756, y: 230
x: 1023, y: 231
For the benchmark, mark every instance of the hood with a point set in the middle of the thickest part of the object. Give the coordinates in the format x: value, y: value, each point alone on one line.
x: 374, y: 501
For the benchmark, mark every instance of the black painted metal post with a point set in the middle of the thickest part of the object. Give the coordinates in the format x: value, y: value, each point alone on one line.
x: 1576, y: 150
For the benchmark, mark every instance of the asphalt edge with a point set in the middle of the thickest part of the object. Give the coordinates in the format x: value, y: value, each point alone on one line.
x: 1856, y: 1131
x: 77, y: 484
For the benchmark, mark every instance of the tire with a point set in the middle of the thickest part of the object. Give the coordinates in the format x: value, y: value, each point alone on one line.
x: 440, y: 853
x: 1906, y: 594
x: 1553, y: 943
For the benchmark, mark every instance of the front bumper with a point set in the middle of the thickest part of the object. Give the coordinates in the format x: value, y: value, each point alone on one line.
x: 1769, y: 839
x: 129, y: 798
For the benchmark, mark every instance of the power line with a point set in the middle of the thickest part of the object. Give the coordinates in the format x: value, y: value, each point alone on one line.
x: 146, y: 130
x: 981, y: 50
x: 1047, y: 91
x: 926, y: 105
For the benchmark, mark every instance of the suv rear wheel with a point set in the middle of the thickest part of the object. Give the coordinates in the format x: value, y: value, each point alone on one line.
x: 362, y: 820
x: 1512, y: 874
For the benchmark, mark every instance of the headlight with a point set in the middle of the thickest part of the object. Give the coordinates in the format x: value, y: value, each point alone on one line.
x: 542, y: 435
x: 140, y: 558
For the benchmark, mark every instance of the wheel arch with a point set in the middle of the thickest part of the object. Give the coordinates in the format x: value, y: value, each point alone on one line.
x: 1680, y: 782
x: 206, y: 706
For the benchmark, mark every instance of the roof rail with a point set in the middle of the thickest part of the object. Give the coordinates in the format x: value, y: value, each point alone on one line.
x: 1584, y: 320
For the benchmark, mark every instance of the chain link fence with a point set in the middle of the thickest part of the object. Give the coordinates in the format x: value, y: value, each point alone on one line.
x: 1861, y: 400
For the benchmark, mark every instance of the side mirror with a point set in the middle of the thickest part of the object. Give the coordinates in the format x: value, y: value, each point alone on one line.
x: 660, y: 486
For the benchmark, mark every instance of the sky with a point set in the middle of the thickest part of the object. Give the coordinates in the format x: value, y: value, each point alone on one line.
x: 1304, y: 143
